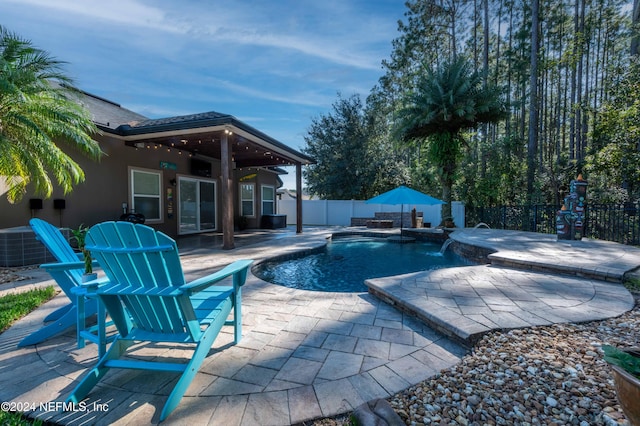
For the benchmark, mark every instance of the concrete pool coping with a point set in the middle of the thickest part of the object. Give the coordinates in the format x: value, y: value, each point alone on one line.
x: 304, y: 355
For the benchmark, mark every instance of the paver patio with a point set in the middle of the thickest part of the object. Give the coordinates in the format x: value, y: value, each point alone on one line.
x: 308, y: 354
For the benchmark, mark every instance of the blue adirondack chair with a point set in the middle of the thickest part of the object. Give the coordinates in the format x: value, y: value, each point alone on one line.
x: 68, y: 275
x: 149, y: 301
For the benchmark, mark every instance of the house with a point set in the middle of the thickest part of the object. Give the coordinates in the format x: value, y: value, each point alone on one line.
x: 187, y: 174
x: 288, y: 194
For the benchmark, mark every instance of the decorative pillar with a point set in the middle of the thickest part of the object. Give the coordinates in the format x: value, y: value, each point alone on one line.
x: 570, y: 220
x: 227, y: 192
x: 578, y: 204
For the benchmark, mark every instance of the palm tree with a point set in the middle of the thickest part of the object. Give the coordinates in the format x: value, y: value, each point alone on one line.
x: 448, y: 100
x: 39, y: 109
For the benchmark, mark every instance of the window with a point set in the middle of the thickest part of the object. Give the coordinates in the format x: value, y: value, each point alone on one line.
x: 247, y: 199
x: 146, y: 194
x: 268, y: 200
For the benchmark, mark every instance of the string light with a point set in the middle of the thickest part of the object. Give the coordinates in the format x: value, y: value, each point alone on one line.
x: 238, y: 146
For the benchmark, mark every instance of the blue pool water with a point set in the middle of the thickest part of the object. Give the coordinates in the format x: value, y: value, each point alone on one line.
x: 344, y: 264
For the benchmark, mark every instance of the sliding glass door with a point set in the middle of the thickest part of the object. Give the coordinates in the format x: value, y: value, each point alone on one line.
x: 197, y: 205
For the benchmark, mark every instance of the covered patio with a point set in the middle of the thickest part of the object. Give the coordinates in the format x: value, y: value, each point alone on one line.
x: 223, y: 137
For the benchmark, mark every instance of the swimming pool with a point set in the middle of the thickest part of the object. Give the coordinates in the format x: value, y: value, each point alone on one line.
x: 345, y: 263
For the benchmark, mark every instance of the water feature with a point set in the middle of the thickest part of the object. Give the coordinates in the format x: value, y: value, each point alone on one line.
x: 446, y: 244
x: 482, y: 225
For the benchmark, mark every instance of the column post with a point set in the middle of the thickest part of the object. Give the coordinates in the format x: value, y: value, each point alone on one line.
x: 227, y: 192
x: 299, y: 198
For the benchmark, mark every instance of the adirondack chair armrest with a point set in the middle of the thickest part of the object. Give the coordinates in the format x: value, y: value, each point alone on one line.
x: 89, y: 287
x: 63, y: 266
x: 237, y: 267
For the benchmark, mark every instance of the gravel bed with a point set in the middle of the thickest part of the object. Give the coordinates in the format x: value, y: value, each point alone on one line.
x: 8, y: 275
x: 552, y: 375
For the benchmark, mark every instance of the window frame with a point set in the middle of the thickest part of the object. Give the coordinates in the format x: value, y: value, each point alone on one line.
x: 272, y: 201
x: 159, y: 197
x: 242, y: 200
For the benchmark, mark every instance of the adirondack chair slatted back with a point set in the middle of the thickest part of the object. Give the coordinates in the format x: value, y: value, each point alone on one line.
x: 67, y: 273
x: 146, y: 265
x: 145, y: 276
x: 58, y: 246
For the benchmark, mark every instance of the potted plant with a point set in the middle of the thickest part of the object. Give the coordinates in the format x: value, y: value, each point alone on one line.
x: 79, y: 235
x: 625, y: 364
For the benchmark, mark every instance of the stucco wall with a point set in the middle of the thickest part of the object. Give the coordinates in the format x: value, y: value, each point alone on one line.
x: 106, y: 187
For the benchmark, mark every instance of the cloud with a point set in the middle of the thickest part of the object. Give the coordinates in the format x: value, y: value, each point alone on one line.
x: 330, y: 50
x: 308, y: 98
x: 121, y: 12
x: 334, y: 38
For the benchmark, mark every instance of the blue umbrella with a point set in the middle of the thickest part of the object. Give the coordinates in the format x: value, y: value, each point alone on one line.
x: 404, y: 195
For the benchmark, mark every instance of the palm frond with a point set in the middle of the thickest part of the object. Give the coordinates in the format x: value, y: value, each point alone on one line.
x: 39, y: 111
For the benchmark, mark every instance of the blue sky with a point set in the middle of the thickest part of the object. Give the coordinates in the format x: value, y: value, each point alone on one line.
x: 274, y: 64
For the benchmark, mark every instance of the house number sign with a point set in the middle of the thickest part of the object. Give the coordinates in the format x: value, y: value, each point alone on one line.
x: 168, y: 165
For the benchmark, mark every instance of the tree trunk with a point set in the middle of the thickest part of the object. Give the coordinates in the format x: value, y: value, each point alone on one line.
x: 446, y: 197
x: 579, y: 82
x: 572, y: 103
x: 533, y: 102
x: 635, y: 41
x: 485, y: 80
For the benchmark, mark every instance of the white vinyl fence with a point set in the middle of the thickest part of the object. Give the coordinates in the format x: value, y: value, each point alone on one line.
x: 340, y: 212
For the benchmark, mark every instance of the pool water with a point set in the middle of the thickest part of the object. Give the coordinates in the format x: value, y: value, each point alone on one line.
x: 345, y: 263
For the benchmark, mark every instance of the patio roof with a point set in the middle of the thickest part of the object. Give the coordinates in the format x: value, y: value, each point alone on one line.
x: 200, y: 134
x: 195, y: 134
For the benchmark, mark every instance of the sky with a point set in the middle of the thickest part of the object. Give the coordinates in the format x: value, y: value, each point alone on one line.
x: 273, y: 64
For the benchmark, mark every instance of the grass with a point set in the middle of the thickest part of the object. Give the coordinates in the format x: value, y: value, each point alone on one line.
x: 632, y: 284
x: 15, y: 306
x: 12, y: 308
x: 8, y: 418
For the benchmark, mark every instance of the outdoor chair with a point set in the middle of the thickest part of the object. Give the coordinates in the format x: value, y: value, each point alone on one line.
x: 149, y: 301
x: 68, y: 275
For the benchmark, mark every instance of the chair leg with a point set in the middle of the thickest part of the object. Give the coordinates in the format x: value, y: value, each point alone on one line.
x: 116, y: 350
x: 58, y: 313
x: 58, y: 327
x: 238, y: 280
x: 237, y: 316
x: 191, y: 368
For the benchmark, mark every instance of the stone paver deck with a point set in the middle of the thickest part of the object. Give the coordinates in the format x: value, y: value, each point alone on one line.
x: 467, y: 302
x: 512, y: 292
x: 597, y: 259
x: 303, y: 354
